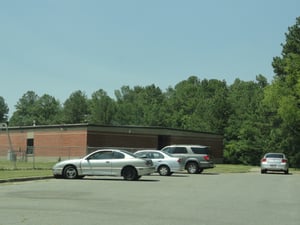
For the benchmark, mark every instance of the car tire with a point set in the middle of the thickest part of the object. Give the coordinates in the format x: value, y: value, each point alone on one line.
x: 192, y: 168
x: 164, y: 170
x: 286, y: 171
x: 70, y: 172
x: 263, y: 171
x: 129, y: 173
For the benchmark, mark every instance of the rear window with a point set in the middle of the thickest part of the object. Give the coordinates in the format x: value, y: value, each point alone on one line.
x: 198, y: 150
x: 279, y: 156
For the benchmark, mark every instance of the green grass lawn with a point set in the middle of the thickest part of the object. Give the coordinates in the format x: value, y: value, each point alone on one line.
x: 10, y: 170
x: 229, y: 168
x: 10, y: 174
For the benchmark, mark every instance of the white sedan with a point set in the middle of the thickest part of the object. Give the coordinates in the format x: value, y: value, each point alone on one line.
x: 165, y: 164
x: 105, y: 162
x: 274, y: 162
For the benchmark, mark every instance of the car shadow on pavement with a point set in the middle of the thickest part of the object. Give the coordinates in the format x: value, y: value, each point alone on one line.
x: 173, y: 175
x: 143, y: 179
x: 276, y: 173
x: 185, y: 174
x: 206, y: 173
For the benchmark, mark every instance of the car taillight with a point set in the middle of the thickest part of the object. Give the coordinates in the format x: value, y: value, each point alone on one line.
x: 206, y: 157
x: 284, y: 161
x: 264, y: 160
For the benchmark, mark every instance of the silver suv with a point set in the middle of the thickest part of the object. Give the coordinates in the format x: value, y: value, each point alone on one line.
x: 196, y: 157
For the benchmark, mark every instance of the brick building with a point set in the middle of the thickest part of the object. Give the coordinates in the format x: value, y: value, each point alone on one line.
x: 74, y: 140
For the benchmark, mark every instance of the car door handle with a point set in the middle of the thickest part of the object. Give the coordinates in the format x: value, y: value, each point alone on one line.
x: 107, y: 161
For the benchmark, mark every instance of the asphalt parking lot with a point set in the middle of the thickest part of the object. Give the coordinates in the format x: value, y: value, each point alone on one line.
x: 206, y: 199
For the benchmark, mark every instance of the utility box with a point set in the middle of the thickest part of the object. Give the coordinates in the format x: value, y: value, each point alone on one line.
x: 11, y: 156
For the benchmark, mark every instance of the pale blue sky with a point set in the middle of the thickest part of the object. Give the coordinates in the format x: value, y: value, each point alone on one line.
x: 57, y: 47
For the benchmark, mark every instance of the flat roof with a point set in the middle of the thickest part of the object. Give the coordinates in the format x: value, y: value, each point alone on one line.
x: 116, y: 129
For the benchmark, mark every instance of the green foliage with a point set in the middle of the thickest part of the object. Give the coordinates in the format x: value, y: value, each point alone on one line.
x: 101, y: 108
x: 198, y: 105
x: 75, y: 108
x: 295, y: 160
x: 25, y: 113
x: 282, y: 98
x: 182, y: 102
x: 32, y: 109
x: 3, y: 110
x: 139, y: 106
x: 246, y: 149
x: 48, y: 110
x: 244, y: 139
x: 267, y: 117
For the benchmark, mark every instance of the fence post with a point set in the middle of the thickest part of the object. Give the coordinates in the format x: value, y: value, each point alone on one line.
x: 11, y: 155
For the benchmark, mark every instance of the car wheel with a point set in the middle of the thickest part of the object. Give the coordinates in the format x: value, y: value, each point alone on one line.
x: 129, y: 173
x: 263, y: 171
x: 164, y: 171
x: 70, y: 172
x: 192, y: 167
x: 286, y: 172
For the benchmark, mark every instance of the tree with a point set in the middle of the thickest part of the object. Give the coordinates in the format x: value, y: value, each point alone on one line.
x: 32, y: 109
x: 181, y: 102
x: 3, y: 110
x: 126, y: 110
x: 213, y: 109
x: 282, y: 98
x: 140, y: 106
x: 243, y: 135
x: 289, y: 49
x: 26, y: 113
x: 48, y: 110
x: 75, y: 108
x: 198, y: 105
x: 152, y: 101
x: 102, y: 108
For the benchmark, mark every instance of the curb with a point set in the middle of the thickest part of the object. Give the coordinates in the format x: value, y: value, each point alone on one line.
x: 24, y: 179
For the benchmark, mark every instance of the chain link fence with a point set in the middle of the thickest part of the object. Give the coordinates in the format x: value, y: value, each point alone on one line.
x: 35, y: 157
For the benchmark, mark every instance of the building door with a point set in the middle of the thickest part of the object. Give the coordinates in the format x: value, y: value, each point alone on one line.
x: 162, y: 141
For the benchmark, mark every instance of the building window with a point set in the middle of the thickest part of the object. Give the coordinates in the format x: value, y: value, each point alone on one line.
x: 30, y: 146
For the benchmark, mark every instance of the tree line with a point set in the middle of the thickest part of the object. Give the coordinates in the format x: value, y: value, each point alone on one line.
x: 254, y: 116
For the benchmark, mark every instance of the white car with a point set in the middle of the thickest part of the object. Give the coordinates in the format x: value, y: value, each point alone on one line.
x: 274, y: 162
x: 165, y: 164
x: 105, y: 162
